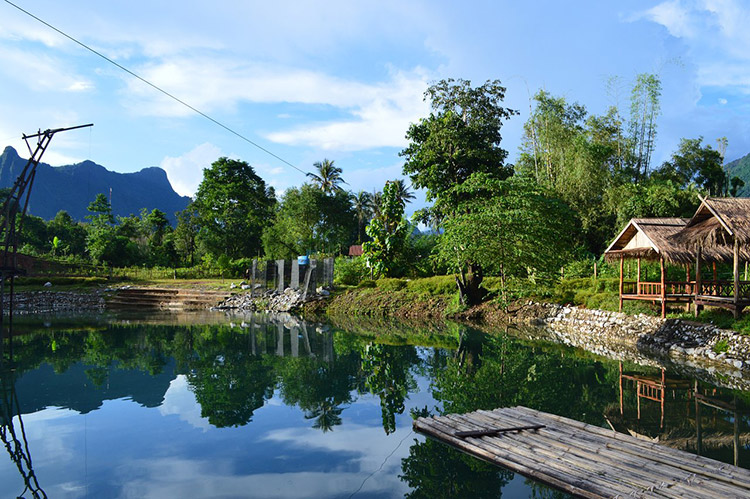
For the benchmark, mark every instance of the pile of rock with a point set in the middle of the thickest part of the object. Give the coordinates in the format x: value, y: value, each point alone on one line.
x: 271, y: 300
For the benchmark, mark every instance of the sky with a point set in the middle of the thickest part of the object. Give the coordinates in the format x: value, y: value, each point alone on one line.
x: 343, y: 80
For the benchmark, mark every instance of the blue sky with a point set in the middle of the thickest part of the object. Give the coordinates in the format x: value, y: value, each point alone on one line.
x: 343, y: 79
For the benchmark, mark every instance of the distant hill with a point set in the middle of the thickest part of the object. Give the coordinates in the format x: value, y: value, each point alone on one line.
x: 740, y: 168
x: 73, y: 187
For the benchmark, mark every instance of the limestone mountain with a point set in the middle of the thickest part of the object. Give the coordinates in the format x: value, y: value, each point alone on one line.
x: 73, y: 187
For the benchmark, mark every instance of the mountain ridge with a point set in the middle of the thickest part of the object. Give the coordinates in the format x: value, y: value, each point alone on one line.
x: 73, y: 187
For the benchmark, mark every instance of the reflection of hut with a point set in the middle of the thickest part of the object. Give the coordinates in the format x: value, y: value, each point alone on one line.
x: 681, y: 413
x: 649, y: 239
x: 720, y: 227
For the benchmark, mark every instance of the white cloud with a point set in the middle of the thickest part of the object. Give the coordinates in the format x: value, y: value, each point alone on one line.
x: 723, y: 102
x: 40, y: 71
x: 674, y: 16
x: 186, y: 172
x: 179, y: 400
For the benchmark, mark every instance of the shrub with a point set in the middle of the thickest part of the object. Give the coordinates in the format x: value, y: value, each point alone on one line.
x: 366, y: 283
x: 349, y: 271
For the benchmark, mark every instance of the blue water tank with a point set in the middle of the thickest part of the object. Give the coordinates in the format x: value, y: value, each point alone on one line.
x: 303, y: 260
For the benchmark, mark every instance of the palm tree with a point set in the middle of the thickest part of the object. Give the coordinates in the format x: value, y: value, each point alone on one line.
x: 328, y: 177
x: 361, y: 202
x: 403, y: 194
x: 376, y: 200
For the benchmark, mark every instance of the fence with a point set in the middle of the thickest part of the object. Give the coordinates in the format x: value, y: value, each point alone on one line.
x: 283, y: 274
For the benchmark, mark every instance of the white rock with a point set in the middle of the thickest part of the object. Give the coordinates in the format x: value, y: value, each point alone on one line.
x: 47, y: 284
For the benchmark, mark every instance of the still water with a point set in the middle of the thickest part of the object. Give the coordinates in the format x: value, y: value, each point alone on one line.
x: 212, y: 405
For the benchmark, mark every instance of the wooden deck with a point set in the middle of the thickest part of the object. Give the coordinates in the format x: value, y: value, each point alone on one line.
x: 585, y: 460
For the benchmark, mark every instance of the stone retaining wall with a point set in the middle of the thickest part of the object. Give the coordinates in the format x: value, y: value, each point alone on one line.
x: 723, y: 352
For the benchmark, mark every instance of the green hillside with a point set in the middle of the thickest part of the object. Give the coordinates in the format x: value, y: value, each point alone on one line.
x: 741, y: 168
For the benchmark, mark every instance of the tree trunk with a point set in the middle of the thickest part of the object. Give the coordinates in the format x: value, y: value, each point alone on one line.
x: 469, y: 285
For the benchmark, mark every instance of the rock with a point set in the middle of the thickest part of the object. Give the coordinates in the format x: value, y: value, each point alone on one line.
x: 47, y: 284
x: 245, y: 286
x: 233, y: 286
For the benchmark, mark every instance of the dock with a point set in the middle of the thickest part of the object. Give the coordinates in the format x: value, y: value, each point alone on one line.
x: 582, y: 459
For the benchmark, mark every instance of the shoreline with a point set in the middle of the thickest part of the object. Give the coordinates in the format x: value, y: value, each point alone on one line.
x: 611, y: 334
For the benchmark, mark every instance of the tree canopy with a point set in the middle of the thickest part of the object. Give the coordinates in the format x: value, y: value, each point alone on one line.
x: 233, y: 205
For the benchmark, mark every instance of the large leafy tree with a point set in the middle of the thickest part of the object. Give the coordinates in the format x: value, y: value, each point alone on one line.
x: 307, y: 220
x: 233, y: 205
x: 362, y: 205
x: 459, y: 138
x: 511, y: 228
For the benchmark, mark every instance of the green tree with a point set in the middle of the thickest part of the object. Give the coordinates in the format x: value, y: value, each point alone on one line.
x: 461, y: 137
x: 71, y: 234
x: 645, y: 107
x: 307, y: 220
x: 388, y: 231
x: 233, y: 206
x: 362, y: 205
x: 403, y: 194
x: 186, y: 234
x: 100, y: 237
x: 509, y: 227
x: 328, y: 177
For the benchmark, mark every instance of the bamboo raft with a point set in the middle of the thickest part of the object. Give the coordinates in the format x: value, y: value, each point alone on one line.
x: 582, y: 459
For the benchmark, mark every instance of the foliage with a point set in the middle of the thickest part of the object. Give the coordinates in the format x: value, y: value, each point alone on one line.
x: 645, y: 106
x: 460, y: 137
x: 349, y: 271
x: 388, y: 231
x: 309, y: 220
x: 233, y: 204
x: 508, y: 227
x: 328, y: 177
x: 693, y: 162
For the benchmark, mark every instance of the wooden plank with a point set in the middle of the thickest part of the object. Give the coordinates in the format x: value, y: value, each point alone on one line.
x: 557, y: 479
x: 664, y: 476
x: 659, y: 453
x: 583, y: 459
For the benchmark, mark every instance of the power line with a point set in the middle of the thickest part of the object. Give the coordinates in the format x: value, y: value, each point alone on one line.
x: 155, y: 87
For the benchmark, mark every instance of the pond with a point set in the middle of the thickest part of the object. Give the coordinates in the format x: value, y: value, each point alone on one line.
x: 211, y: 405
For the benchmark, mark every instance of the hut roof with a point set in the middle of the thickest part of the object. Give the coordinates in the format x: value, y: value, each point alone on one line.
x: 650, y: 238
x: 716, y: 223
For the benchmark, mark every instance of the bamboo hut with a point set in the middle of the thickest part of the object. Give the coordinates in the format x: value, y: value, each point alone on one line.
x: 650, y: 239
x: 719, y: 231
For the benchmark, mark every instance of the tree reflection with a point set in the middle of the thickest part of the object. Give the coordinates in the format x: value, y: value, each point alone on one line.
x: 320, y: 388
x: 435, y: 470
x: 229, y: 382
x: 387, y: 375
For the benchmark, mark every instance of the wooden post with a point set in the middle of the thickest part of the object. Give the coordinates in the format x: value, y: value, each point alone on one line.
x: 621, y: 404
x: 697, y: 278
x: 736, y: 271
x: 663, y: 395
x: 638, y: 278
x: 716, y: 278
x: 663, y: 288
x: 687, y: 286
x: 622, y: 265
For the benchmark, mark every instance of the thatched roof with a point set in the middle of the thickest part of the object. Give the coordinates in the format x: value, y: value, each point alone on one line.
x: 649, y: 238
x: 717, y: 222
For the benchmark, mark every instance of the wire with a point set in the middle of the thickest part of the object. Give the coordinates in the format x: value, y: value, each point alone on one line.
x: 156, y: 87
x: 381, y: 465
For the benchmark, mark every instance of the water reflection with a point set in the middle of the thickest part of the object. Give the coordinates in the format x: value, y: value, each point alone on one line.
x: 248, y: 400
x: 13, y: 433
x: 683, y: 413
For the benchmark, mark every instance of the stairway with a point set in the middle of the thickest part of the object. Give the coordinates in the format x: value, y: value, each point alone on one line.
x: 166, y: 298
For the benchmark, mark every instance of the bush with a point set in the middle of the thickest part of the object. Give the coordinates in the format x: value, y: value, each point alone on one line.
x: 387, y: 284
x: 366, y: 283
x: 349, y: 271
